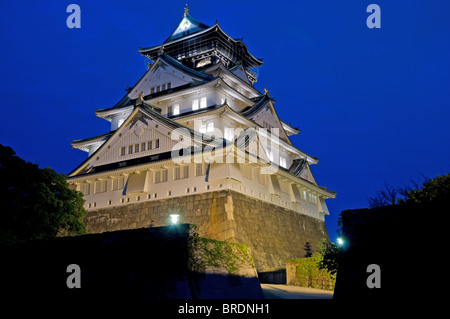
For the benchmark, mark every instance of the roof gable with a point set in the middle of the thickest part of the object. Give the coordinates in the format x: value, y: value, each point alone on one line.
x: 266, y: 116
x: 187, y: 26
x: 240, y: 72
x: 125, y: 145
x: 159, y: 76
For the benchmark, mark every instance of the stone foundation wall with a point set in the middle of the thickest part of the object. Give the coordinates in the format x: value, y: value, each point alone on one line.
x: 130, y: 265
x: 275, y: 234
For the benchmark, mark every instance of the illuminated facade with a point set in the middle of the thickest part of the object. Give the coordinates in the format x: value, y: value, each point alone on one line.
x: 194, y: 124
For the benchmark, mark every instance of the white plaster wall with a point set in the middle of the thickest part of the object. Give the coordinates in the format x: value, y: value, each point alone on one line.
x: 249, y: 183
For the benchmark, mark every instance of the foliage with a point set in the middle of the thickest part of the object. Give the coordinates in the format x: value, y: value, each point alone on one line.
x: 431, y: 190
x: 384, y: 197
x: 308, y: 273
x: 330, y: 254
x: 221, y: 254
x: 36, y: 203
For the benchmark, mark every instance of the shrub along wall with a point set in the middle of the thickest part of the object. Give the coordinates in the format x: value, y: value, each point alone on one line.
x: 305, y: 272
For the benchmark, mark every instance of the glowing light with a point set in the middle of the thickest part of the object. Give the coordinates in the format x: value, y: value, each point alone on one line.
x: 174, y: 219
x: 340, y: 241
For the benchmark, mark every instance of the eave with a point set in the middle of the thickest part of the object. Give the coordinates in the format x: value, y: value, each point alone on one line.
x: 214, y: 28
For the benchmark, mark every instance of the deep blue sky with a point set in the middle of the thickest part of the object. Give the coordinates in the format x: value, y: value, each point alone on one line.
x: 372, y: 104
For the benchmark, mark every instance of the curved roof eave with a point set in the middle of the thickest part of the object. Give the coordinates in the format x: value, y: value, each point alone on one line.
x: 143, y: 51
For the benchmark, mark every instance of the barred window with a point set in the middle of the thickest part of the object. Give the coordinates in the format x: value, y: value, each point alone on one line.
x: 118, y: 183
x: 100, y: 186
x: 161, y: 176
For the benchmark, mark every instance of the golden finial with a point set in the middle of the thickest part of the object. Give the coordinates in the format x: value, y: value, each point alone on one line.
x: 186, y: 10
x: 141, y: 96
x: 266, y: 91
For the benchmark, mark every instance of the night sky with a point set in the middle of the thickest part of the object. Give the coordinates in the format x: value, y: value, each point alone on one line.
x: 372, y: 104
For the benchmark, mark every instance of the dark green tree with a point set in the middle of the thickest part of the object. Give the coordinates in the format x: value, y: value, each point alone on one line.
x: 432, y: 190
x: 35, y: 203
x: 330, y: 254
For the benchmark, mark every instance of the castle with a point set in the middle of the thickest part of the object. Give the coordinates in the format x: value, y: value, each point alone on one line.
x: 194, y: 139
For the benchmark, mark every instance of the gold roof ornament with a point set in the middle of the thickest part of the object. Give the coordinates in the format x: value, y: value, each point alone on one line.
x: 186, y: 10
x: 266, y: 91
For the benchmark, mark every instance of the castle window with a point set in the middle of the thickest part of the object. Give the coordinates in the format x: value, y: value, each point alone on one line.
x: 169, y: 111
x: 228, y: 133
x: 169, y: 85
x: 152, y: 90
x: 136, y: 148
x: 194, y: 105
x: 130, y: 149
x: 176, y: 109
x: 163, y: 87
x: 122, y: 151
x: 150, y: 145
x: 169, y: 193
x: 200, y: 169
x: 203, y: 103
x: 118, y: 183
x: 85, y: 188
x: 283, y: 162
x: 181, y: 172
x: 109, y: 202
x: 143, y: 147
x: 161, y: 176
x: 202, y: 128
x: 100, y: 187
x: 210, y: 127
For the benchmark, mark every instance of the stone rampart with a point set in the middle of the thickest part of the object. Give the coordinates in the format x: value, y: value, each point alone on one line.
x: 274, y: 234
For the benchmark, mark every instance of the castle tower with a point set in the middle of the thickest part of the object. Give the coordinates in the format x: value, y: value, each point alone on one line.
x: 193, y: 137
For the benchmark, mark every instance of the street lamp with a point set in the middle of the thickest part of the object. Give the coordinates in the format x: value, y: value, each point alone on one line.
x: 174, y: 219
